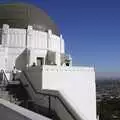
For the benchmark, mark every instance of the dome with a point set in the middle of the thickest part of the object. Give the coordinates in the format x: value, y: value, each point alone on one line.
x: 21, y: 15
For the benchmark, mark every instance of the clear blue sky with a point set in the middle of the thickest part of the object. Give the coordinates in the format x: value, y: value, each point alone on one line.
x: 91, y: 30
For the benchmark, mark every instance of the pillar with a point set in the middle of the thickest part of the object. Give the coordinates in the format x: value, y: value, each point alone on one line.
x: 29, y: 37
x: 49, y: 39
x: 5, y: 35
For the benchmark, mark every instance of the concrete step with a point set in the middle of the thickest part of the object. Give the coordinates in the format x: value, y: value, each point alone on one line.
x: 6, y: 96
x: 14, y: 82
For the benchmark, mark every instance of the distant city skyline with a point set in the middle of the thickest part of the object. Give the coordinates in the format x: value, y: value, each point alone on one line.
x: 107, y: 75
x: 91, y: 30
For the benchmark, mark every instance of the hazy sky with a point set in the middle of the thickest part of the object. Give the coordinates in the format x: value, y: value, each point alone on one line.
x: 91, y: 30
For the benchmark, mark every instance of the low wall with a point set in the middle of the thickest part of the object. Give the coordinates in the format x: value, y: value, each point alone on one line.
x: 22, y: 60
x: 76, y: 84
x: 9, y: 111
x: 35, y: 76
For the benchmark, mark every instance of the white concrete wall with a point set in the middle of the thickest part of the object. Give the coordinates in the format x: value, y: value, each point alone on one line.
x: 14, y: 37
x: 35, y: 76
x: 5, y: 35
x: 62, y: 46
x: 54, y: 43
x: 17, y: 38
x: 58, y: 59
x: 2, y: 52
x: 0, y: 37
x: 14, y: 42
x: 12, y: 55
x: 77, y: 84
x: 39, y: 40
x: 2, y: 58
x: 34, y: 53
x: 22, y: 60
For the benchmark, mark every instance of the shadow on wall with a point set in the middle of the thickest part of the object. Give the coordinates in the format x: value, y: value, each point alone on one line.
x: 22, y: 60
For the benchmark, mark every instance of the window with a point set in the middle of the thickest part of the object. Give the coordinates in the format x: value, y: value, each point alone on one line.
x: 39, y: 61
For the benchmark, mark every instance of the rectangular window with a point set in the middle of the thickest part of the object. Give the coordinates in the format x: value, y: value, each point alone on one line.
x: 39, y: 61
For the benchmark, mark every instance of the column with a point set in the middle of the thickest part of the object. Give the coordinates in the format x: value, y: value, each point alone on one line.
x: 29, y: 36
x: 5, y: 38
x: 62, y: 45
x: 5, y: 35
x: 49, y: 39
x: 57, y: 59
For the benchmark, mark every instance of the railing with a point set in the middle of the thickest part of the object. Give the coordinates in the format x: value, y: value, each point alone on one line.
x: 4, y: 83
x: 69, y: 109
x: 4, y: 78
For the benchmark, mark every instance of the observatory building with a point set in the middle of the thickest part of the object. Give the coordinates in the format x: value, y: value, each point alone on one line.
x: 31, y: 43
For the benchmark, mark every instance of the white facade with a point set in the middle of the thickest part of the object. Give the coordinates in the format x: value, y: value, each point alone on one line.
x: 75, y: 84
x: 15, y: 41
x: 23, y: 47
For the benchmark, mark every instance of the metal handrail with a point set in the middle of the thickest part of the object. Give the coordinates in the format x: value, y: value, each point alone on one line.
x: 75, y: 117
x: 4, y: 77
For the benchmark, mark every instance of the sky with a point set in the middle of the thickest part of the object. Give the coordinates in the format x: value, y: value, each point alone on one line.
x: 91, y: 30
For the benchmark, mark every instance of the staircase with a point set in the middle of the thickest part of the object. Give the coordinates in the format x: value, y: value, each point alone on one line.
x: 16, y: 92
x: 5, y: 93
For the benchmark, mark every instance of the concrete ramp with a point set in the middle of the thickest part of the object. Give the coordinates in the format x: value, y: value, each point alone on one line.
x: 9, y: 111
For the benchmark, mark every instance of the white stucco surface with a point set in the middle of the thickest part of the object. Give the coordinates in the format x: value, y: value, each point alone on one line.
x: 76, y: 84
x: 15, y: 41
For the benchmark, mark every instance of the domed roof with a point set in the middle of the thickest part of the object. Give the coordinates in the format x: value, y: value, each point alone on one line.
x: 21, y: 15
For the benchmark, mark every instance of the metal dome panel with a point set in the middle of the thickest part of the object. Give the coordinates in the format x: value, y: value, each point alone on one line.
x: 21, y: 15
